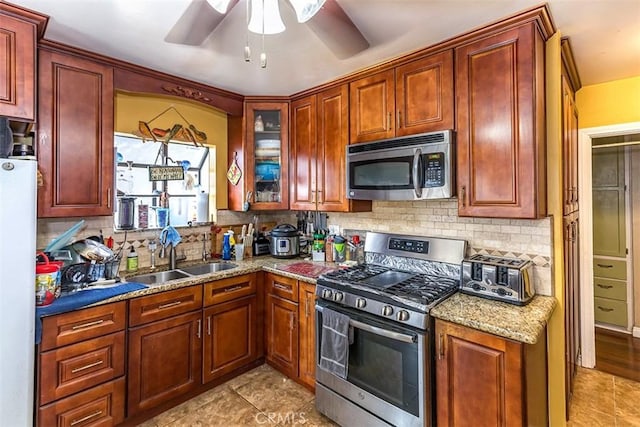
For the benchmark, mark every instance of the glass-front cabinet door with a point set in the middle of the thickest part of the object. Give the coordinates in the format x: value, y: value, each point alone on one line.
x: 267, y: 155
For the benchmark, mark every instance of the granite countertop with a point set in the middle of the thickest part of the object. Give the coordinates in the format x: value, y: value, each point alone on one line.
x: 248, y: 265
x: 519, y: 323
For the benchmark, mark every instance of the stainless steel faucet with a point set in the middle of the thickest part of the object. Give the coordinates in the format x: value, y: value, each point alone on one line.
x: 162, y: 243
x: 152, y: 249
x: 205, y: 253
x: 173, y: 259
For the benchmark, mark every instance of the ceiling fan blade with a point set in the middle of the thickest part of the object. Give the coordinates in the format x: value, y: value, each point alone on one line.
x: 196, y: 23
x: 336, y: 30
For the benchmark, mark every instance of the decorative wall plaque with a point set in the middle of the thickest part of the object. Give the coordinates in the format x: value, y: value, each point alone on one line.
x: 166, y: 173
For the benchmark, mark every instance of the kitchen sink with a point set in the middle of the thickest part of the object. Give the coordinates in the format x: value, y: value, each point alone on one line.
x: 158, y: 277
x: 208, y: 268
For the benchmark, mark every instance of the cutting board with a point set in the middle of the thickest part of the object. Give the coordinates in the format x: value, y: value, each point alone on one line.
x: 216, y: 242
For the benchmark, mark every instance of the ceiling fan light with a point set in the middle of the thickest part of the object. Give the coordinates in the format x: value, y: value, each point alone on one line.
x: 219, y: 5
x: 272, y: 21
x: 305, y: 9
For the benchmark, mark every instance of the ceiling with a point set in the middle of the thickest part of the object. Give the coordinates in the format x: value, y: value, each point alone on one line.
x: 604, y: 34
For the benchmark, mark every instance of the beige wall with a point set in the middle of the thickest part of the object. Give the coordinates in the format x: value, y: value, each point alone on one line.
x: 131, y: 108
x: 526, y: 239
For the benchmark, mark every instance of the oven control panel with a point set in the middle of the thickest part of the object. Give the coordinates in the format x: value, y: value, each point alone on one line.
x: 409, y: 245
x: 377, y: 308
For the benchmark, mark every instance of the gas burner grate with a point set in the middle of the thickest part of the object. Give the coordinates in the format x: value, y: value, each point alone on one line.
x: 356, y: 273
x: 424, y: 289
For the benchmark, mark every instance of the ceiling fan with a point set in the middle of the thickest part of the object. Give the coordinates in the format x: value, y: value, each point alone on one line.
x: 328, y: 21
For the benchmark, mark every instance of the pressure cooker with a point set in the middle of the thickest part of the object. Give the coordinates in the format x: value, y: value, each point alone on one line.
x: 284, y: 241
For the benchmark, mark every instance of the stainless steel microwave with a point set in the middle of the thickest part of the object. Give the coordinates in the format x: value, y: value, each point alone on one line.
x: 408, y: 168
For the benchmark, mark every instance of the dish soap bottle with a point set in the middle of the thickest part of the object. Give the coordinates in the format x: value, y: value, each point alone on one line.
x: 226, y: 247
x: 132, y: 260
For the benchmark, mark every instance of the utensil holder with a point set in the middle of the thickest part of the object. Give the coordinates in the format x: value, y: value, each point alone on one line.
x: 112, y: 268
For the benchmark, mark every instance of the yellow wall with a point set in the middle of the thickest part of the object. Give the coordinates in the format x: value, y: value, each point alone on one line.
x: 609, y: 103
x: 555, y: 327
x: 131, y: 108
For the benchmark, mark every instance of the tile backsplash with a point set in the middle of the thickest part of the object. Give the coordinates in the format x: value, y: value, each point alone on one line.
x: 192, y: 237
x: 525, y: 239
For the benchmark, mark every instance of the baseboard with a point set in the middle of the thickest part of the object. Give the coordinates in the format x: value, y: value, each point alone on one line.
x: 636, y: 331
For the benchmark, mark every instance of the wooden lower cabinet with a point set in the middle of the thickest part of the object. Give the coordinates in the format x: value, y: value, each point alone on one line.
x: 165, y: 360
x: 230, y: 338
x: 486, y: 380
x: 99, y: 406
x: 290, y: 335
x: 81, y: 368
x: 282, y: 334
x: 307, y: 335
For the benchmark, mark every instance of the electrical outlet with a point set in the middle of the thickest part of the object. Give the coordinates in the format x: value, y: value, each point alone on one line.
x: 334, y: 229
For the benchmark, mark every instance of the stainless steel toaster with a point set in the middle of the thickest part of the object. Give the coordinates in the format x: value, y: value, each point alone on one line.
x: 503, y: 279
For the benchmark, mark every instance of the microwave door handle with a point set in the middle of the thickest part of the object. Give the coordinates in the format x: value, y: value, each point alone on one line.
x: 417, y: 181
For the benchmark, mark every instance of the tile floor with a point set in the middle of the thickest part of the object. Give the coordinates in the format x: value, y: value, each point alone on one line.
x: 260, y: 397
x: 264, y: 397
x: 601, y: 399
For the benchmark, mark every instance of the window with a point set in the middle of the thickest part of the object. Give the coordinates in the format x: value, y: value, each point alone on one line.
x: 186, y: 201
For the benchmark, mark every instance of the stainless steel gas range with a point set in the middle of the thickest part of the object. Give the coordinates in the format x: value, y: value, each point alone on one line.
x: 379, y: 369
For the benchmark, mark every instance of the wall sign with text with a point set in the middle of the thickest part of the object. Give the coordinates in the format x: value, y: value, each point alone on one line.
x: 166, y: 173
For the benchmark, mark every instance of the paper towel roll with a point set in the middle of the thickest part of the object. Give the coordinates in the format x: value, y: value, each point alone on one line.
x: 202, y: 213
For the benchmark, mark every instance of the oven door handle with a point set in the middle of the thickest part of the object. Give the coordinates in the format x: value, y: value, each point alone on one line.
x: 417, y: 181
x: 397, y: 336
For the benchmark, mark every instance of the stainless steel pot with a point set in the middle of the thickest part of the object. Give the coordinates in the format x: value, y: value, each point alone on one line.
x: 284, y: 241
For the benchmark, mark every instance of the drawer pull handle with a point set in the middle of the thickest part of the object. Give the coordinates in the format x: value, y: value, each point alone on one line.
x: 233, y: 288
x: 605, y: 265
x: 605, y: 309
x: 605, y: 286
x: 85, y: 367
x: 88, y: 417
x: 199, y: 332
x: 282, y: 287
x: 169, y: 304
x: 87, y: 325
x: 441, y: 346
x: 209, y: 325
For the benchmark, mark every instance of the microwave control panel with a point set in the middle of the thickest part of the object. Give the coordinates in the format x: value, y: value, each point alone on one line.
x: 434, y: 170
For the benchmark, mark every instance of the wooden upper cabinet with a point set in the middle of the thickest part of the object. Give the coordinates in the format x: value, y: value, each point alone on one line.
x: 372, y: 105
x: 569, y: 149
x: 19, y: 31
x: 424, y: 95
x: 501, y: 125
x: 412, y: 98
x: 303, y: 155
x: 75, y: 136
x: 319, y: 137
x: 266, y: 152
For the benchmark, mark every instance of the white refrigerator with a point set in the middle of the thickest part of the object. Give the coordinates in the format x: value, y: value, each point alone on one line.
x: 17, y: 290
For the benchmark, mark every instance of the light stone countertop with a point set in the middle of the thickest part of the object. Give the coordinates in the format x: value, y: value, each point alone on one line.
x: 248, y: 265
x: 519, y: 323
